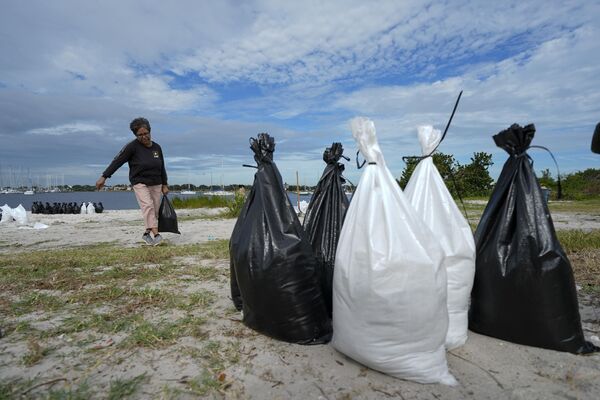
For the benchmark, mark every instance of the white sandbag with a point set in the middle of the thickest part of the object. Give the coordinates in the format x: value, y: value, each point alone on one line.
x: 90, y: 208
x: 83, y: 208
x: 433, y: 202
x: 37, y: 226
x: 303, y: 207
x: 19, y: 214
x: 6, y: 214
x: 389, y: 289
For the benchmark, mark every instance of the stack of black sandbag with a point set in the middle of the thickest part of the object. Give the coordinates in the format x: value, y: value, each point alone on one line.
x: 62, y: 208
x: 325, y: 216
x: 524, y: 291
x: 273, y: 269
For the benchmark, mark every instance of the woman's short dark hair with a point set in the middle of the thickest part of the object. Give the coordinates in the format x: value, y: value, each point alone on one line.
x: 138, y: 123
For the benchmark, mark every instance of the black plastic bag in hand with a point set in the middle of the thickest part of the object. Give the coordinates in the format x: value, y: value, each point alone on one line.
x: 325, y: 216
x: 273, y: 269
x: 167, y: 218
x: 524, y: 290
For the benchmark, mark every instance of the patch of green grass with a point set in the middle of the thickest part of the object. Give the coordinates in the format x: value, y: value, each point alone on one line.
x: 206, y: 273
x: 132, y: 297
x: 215, y: 249
x: 72, y: 269
x: 147, y: 334
x: 122, y: 388
x: 203, y: 384
x: 577, y: 240
x: 20, y: 327
x: 202, y: 298
x: 36, y: 301
x: 200, y: 202
x: 35, y: 352
x: 588, y: 206
x: 203, y: 217
x: 102, y: 323
x: 219, y: 355
x: 80, y: 392
x: 13, y: 389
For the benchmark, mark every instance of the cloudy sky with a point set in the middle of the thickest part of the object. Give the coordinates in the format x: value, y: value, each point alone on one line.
x: 209, y: 75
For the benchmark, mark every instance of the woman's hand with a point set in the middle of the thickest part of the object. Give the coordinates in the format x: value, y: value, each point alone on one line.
x: 165, y: 189
x: 100, y: 183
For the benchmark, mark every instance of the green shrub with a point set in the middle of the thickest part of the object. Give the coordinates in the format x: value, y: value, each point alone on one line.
x: 201, y: 202
x: 234, y: 207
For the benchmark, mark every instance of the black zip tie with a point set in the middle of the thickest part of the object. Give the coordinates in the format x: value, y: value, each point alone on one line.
x: 358, y: 165
x: 372, y: 163
x: 249, y: 166
x: 558, y: 185
x: 419, y: 158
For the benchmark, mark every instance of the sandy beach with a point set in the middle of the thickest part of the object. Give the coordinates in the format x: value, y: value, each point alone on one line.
x: 221, y: 358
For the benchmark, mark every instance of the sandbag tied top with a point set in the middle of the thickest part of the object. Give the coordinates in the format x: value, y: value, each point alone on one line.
x: 325, y: 216
x: 524, y: 291
x: 274, y: 277
x: 516, y: 139
x: 363, y: 131
x: 263, y: 148
x: 389, y: 287
x: 431, y: 199
x: 429, y: 138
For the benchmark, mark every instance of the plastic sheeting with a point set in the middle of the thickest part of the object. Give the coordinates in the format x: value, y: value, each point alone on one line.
x: 325, y: 216
x: 431, y: 199
x: 389, y: 286
x: 524, y: 291
x: 273, y: 269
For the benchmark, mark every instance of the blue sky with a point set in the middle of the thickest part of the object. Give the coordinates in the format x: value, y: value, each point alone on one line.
x: 209, y: 75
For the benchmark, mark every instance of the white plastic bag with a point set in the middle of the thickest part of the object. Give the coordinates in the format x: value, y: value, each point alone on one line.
x: 90, y: 208
x: 83, y: 208
x: 433, y: 202
x: 389, y: 289
x: 19, y: 214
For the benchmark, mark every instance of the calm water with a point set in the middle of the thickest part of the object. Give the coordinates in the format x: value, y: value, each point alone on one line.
x: 110, y: 200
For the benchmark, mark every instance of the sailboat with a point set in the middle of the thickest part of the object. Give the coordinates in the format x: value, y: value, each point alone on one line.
x: 188, y: 191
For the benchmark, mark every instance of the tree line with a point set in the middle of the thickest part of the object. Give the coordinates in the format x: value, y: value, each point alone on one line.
x: 473, y: 179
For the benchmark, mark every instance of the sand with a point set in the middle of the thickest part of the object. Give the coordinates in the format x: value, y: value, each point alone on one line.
x: 486, y: 368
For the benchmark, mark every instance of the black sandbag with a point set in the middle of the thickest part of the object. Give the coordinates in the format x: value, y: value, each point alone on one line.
x: 167, y: 218
x: 325, y: 216
x: 273, y: 269
x: 524, y: 290
x: 596, y: 140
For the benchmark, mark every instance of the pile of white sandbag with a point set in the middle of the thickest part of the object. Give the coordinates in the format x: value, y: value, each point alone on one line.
x: 18, y: 214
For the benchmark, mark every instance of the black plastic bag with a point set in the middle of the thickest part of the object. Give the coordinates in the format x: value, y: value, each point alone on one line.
x: 524, y: 290
x: 167, y: 218
x: 596, y: 140
x: 325, y: 216
x: 273, y: 269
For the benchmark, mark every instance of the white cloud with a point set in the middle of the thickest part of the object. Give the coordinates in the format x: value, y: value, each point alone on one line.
x: 68, y: 129
x: 310, y: 66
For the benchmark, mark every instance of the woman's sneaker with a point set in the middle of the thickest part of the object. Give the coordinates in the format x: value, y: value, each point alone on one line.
x: 147, y: 239
x: 157, y: 239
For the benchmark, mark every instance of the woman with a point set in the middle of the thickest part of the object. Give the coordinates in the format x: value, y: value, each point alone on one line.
x: 147, y: 175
